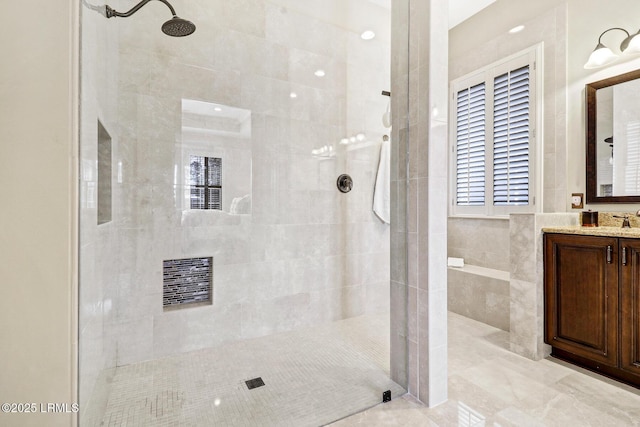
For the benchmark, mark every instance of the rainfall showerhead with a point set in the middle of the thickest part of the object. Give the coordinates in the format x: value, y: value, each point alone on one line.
x: 176, y: 26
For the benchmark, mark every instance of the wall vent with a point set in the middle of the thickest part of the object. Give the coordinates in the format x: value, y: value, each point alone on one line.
x: 187, y: 282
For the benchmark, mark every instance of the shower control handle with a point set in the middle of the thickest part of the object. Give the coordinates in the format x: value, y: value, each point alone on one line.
x: 344, y: 183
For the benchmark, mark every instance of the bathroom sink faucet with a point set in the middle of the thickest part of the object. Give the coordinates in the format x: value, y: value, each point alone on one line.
x: 625, y: 221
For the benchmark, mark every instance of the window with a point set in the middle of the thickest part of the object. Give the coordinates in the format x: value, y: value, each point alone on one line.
x: 493, y: 138
x: 206, y: 182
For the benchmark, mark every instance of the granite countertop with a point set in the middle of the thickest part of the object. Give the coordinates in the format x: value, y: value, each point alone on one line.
x: 595, y: 231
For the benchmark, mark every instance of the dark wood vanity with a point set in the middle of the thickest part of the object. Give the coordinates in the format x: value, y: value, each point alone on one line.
x: 592, y: 301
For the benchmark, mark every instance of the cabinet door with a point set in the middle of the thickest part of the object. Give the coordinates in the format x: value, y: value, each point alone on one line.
x: 630, y: 306
x: 581, y: 295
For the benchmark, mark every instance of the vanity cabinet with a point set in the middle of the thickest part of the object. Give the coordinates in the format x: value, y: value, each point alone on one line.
x: 630, y: 307
x: 592, y: 302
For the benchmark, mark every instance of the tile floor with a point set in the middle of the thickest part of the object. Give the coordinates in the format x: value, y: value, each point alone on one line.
x: 312, y: 377
x: 318, y: 375
x: 490, y: 386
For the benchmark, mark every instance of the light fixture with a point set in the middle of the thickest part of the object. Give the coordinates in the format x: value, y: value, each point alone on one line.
x: 367, y: 35
x: 516, y: 29
x: 602, y: 55
x: 319, y: 73
x: 293, y: 95
x: 610, y: 142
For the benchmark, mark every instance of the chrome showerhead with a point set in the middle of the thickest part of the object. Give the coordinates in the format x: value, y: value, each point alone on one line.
x: 178, y: 27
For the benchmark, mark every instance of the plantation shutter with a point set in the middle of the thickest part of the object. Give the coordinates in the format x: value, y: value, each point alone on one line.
x: 470, y: 146
x: 205, y: 182
x: 511, y: 138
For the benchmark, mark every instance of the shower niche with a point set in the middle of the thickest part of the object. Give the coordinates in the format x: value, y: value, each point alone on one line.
x: 213, y: 159
x: 104, y: 175
x: 187, y: 282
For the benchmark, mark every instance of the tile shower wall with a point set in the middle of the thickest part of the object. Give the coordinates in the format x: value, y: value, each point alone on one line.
x: 99, y: 258
x: 303, y: 253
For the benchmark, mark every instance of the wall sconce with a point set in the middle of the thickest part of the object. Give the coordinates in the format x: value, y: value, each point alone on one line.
x: 602, y: 55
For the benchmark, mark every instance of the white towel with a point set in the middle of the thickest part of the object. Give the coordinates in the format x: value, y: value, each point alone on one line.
x: 381, y: 192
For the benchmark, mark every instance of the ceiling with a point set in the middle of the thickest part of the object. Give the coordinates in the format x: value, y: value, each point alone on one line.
x: 459, y: 10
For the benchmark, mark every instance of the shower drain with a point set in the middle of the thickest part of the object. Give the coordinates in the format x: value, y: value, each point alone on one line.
x: 254, y: 383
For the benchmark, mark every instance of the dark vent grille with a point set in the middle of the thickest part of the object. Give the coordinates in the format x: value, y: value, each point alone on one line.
x: 254, y: 383
x: 186, y: 281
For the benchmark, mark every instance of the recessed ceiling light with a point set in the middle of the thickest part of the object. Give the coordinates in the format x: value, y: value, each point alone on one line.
x: 319, y: 73
x: 516, y: 29
x: 367, y: 35
x: 293, y: 95
x: 217, y: 109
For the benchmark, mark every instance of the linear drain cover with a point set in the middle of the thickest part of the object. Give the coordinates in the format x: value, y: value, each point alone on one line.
x: 254, y: 383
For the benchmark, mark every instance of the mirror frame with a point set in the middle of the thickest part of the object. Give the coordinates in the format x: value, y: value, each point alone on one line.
x: 591, y: 119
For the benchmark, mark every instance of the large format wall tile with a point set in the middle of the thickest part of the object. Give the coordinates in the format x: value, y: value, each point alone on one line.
x: 303, y: 253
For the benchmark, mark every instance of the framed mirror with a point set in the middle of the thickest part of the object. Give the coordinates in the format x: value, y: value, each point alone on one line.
x: 613, y: 139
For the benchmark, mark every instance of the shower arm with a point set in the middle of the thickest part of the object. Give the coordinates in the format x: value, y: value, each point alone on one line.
x: 111, y: 12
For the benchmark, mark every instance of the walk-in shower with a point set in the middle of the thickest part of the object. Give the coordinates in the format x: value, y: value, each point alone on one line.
x: 175, y: 27
x: 228, y: 256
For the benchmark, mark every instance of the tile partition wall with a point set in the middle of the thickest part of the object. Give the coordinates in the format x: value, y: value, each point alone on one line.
x: 521, y: 263
x: 420, y: 279
x: 526, y: 331
x: 399, y: 139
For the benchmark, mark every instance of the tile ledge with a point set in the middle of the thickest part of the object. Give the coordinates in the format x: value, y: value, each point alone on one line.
x: 483, y: 271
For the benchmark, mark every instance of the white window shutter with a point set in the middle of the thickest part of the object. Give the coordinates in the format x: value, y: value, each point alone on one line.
x: 494, y: 170
x: 511, y: 138
x: 470, y: 146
